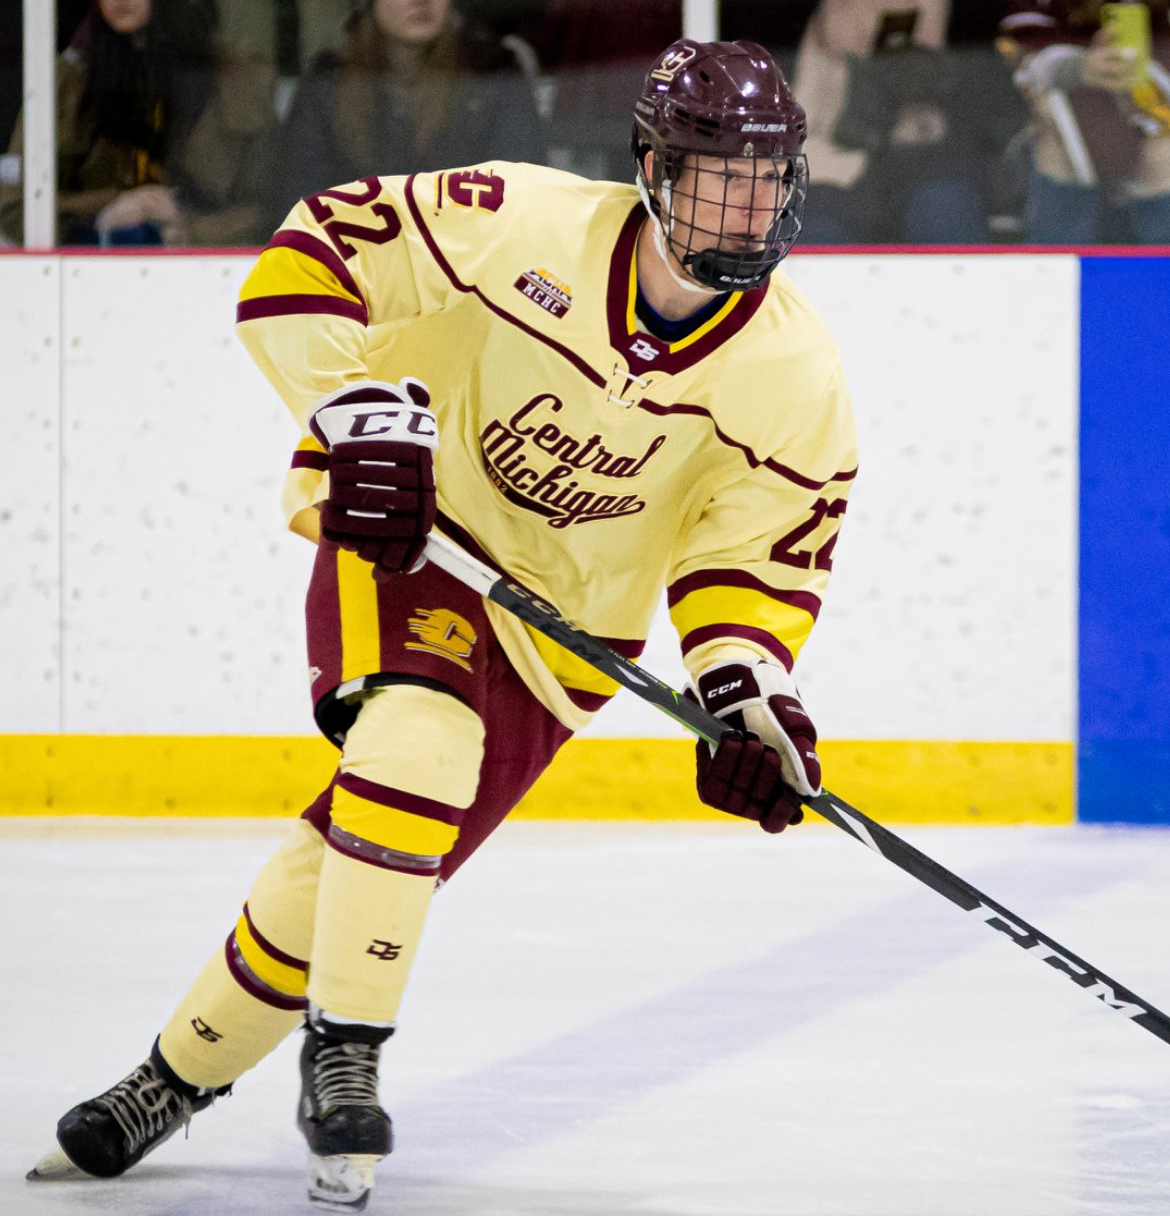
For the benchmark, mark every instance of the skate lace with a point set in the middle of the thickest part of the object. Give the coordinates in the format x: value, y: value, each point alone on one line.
x: 346, y: 1074
x: 143, y: 1105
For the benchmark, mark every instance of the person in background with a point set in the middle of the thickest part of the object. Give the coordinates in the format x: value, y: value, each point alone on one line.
x: 157, y: 131
x: 904, y: 127
x: 414, y: 86
x: 286, y: 33
x: 1100, y: 170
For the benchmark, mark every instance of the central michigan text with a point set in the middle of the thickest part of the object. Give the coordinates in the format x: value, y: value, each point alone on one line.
x: 514, y: 459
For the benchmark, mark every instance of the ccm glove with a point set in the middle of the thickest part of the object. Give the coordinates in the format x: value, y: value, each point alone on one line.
x: 742, y: 776
x: 761, y: 772
x: 380, y: 438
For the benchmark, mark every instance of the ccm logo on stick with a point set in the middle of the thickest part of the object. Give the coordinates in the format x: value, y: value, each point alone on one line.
x: 1054, y: 958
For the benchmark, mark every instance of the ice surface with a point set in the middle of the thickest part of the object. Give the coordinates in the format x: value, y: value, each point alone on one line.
x: 616, y: 1018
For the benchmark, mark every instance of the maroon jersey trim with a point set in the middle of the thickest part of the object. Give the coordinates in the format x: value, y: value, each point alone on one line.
x: 618, y: 308
x: 283, y: 306
x: 315, y: 248
x: 748, y: 633
x: 753, y: 460
x: 470, y: 289
x: 677, y: 591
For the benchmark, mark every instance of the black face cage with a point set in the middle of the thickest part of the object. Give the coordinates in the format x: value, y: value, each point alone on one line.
x: 737, y: 220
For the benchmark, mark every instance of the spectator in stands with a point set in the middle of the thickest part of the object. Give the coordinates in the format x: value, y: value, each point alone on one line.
x: 158, y: 131
x: 1100, y: 168
x: 414, y: 86
x: 905, y: 130
x: 286, y: 33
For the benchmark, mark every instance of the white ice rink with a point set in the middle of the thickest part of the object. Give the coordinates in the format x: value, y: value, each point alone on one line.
x: 653, y: 1020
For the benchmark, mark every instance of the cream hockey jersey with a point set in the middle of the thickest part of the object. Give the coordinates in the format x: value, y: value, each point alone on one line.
x: 579, y: 454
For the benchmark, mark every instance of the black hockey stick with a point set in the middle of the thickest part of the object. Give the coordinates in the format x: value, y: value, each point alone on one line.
x: 545, y: 618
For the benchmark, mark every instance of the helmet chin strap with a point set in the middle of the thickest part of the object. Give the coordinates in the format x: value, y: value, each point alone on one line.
x: 662, y: 244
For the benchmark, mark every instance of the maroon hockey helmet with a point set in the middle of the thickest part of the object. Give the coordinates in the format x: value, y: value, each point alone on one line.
x: 724, y: 100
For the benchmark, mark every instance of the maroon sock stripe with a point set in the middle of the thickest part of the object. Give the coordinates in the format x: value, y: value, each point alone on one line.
x: 272, y: 951
x: 400, y: 800
x: 253, y: 985
x: 380, y: 856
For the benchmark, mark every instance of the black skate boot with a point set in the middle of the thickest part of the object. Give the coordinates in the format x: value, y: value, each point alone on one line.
x: 347, y: 1130
x: 105, y: 1136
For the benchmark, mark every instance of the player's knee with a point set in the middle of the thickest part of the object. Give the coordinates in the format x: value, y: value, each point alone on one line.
x: 410, y: 767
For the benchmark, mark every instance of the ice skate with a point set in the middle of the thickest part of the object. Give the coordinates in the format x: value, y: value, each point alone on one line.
x: 105, y: 1136
x: 346, y: 1129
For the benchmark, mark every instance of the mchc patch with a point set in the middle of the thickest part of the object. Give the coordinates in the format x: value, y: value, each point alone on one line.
x: 443, y: 632
x: 543, y: 287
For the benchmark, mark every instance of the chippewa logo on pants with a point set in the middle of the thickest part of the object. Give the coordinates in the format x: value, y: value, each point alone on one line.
x: 443, y: 632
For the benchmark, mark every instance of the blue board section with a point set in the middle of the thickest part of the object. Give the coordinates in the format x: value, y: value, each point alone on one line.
x: 1124, y: 678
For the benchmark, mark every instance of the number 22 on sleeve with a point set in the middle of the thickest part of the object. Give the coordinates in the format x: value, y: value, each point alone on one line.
x: 785, y: 549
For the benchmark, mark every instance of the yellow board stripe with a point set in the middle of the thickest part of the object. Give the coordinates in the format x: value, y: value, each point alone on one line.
x: 895, y: 781
x: 719, y: 605
x: 361, y: 639
x: 291, y: 981
x: 391, y: 828
x: 288, y: 272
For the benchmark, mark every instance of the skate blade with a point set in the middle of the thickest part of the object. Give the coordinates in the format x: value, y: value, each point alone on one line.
x: 341, y: 1184
x: 54, y: 1166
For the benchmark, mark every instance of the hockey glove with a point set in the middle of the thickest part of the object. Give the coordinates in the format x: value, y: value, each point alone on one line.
x: 381, y: 502
x: 742, y: 777
x: 760, y: 700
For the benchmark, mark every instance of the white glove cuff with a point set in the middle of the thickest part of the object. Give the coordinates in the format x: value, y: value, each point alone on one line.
x: 374, y: 409
x: 771, y: 679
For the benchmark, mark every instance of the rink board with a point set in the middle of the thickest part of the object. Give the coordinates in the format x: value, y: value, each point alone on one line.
x: 1124, y: 656
x: 155, y: 612
x: 591, y: 778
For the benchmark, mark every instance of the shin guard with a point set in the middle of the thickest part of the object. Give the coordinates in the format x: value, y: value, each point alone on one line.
x: 409, y: 769
x: 251, y: 993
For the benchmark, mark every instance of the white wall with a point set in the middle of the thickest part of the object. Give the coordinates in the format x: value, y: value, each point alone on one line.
x: 30, y: 410
x: 147, y: 586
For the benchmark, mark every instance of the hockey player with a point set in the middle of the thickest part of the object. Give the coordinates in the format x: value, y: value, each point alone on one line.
x: 602, y: 395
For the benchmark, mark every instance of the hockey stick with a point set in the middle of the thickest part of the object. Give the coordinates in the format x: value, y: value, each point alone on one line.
x: 545, y: 618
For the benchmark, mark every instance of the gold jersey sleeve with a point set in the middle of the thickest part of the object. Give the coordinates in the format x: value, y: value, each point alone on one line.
x: 750, y: 577
x: 587, y: 458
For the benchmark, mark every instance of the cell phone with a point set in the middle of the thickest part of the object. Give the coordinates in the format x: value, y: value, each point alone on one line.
x: 1130, y: 27
x: 896, y: 30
